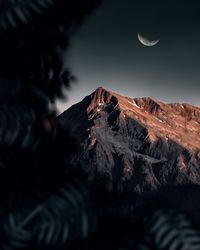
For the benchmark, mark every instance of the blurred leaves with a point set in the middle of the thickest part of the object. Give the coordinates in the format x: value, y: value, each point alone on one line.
x: 15, y: 123
x: 170, y: 230
x: 16, y: 12
x: 52, y: 225
x: 33, y: 36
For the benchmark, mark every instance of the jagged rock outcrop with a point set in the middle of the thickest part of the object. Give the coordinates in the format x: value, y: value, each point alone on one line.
x: 134, y: 144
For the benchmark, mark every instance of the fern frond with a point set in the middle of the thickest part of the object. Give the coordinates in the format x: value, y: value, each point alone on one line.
x: 14, y: 12
x: 61, y: 219
x: 171, y: 230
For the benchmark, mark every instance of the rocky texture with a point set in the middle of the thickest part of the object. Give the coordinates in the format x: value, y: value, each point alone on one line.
x: 135, y: 144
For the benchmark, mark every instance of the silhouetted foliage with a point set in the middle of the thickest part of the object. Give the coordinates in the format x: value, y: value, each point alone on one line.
x: 53, y: 224
x: 34, y: 35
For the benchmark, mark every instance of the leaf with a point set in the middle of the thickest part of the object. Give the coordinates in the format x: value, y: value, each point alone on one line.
x: 22, y: 11
x: 62, y: 218
x: 171, y: 230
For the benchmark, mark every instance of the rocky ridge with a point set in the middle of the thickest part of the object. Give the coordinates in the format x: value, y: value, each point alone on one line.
x: 134, y: 144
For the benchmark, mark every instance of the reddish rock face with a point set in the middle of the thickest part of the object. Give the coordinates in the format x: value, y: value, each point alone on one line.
x: 135, y: 144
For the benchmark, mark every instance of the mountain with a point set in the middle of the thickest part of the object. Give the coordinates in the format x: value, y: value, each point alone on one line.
x: 134, y: 144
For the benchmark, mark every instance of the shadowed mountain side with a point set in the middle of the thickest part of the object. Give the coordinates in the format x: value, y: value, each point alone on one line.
x: 134, y: 144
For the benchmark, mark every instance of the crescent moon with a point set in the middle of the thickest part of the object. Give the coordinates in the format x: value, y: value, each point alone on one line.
x: 147, y: 42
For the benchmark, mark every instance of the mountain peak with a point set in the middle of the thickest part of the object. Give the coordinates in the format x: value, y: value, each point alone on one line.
x: 100, y: 92
x: 134, y: 143
x: 98, y: 98
x: 177, y: 122
x: 100, y: 88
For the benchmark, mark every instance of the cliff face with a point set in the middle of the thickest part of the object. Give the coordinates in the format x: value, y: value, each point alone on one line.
x: 135, y: 144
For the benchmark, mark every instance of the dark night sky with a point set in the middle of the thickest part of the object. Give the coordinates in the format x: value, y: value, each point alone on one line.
x: 106, y: 51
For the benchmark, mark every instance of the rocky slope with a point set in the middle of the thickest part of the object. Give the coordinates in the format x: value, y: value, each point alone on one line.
x: 135, y: 144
